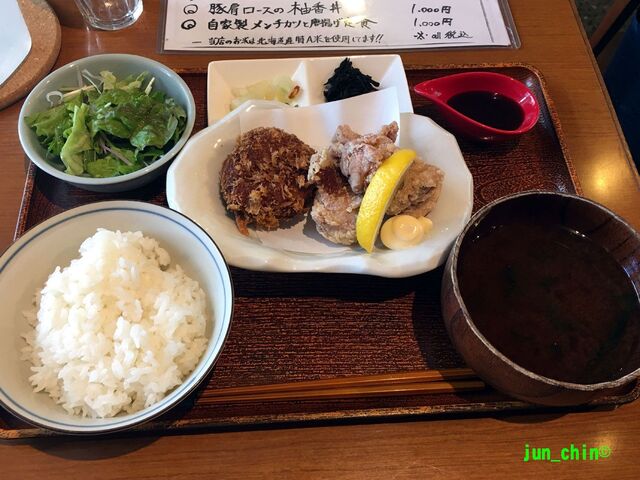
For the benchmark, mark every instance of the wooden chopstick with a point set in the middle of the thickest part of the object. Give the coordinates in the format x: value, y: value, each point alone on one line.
x: 351, y: 392
x: 406, y: 383
x: 361, y: 380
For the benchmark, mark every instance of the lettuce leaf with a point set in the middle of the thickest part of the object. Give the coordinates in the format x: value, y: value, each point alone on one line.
x: 145, y: 120
x: 113, y: 130
x: 51, y: 126
x: 128, y: 84
x: 108, y: 80
x: 156, y: 131
x: 45, y: 123
x: 79, y: 141
x: 109, y: 166
x: 131, y: 83
x: 149, y: 155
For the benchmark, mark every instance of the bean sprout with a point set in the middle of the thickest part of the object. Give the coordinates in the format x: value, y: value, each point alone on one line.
x: 53, y: 102
x: 92, y: 79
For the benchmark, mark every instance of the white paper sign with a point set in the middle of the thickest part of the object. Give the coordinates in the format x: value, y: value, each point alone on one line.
x: 315, y: 125
x: 333, y: 25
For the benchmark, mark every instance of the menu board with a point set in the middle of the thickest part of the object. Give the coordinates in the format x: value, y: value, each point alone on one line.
x: 200, y: 25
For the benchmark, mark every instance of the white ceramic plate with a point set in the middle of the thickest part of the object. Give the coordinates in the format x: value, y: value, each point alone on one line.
x: 25, y: 266
x: 309, y: 73
x: 193, y: 189
x: 14, y: 38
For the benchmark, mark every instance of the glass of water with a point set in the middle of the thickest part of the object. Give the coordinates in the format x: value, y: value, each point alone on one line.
x: 110, y: 14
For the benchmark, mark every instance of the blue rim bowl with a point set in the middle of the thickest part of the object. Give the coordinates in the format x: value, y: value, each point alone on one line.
x: 26, y: 264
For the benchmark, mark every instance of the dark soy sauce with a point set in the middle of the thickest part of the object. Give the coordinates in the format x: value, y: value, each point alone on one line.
x: 552, y: 301
x: 491, y: 109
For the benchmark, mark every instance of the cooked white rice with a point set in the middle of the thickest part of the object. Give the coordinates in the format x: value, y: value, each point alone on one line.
x: 117, y: 329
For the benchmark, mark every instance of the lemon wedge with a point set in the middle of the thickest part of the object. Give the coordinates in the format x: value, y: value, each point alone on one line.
x: 378, y: 196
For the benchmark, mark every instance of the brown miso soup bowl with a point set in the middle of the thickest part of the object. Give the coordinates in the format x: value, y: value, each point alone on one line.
x: 540, y: 297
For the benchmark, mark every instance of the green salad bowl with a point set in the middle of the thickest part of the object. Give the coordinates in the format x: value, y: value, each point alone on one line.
x: 122, y: 65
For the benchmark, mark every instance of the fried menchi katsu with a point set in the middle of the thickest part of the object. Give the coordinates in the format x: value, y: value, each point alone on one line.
x: 264, y: 178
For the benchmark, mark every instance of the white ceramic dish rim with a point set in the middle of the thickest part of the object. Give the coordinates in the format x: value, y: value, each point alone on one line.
x: 194, y: 379
x: 45, y: 166
x: 355, y: 262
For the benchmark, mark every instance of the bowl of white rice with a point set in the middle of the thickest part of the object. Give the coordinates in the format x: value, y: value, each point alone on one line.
x: 113, y: 313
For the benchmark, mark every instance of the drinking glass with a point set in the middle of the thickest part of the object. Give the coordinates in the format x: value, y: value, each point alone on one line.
x: 110, y: 14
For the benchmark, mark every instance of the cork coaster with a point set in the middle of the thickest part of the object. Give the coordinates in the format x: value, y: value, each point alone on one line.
x: 45, y: 45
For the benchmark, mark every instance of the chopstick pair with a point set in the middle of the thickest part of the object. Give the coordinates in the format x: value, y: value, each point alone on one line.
x: 405, y: 383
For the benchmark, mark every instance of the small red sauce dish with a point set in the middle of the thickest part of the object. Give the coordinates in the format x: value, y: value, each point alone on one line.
x: 484, y: 106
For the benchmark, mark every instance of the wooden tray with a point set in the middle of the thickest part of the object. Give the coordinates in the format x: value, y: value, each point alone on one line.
x: 293, y: 327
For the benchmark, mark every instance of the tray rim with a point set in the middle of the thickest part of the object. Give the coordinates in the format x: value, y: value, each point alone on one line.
x: 351, y: 417
x: 343, y: 415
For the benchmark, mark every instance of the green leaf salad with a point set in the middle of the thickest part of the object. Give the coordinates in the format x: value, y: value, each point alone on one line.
x: 109, y: 127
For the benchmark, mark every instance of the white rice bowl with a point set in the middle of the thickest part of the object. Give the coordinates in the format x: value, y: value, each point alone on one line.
x: 116, y: 330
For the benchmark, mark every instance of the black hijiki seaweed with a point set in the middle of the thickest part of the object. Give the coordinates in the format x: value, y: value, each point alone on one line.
x: 348, y: 81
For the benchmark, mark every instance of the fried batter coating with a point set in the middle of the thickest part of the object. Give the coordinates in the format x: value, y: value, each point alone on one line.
x: 419, y: 191
x: 343, y: 171
x: 264, y: 179
x: 361, y: 155
x: 335, y: 206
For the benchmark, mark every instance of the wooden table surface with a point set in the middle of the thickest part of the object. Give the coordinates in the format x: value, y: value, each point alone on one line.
x: 553, y: 42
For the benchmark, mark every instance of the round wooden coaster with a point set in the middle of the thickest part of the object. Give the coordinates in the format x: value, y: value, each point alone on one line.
x: 45, y: 45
